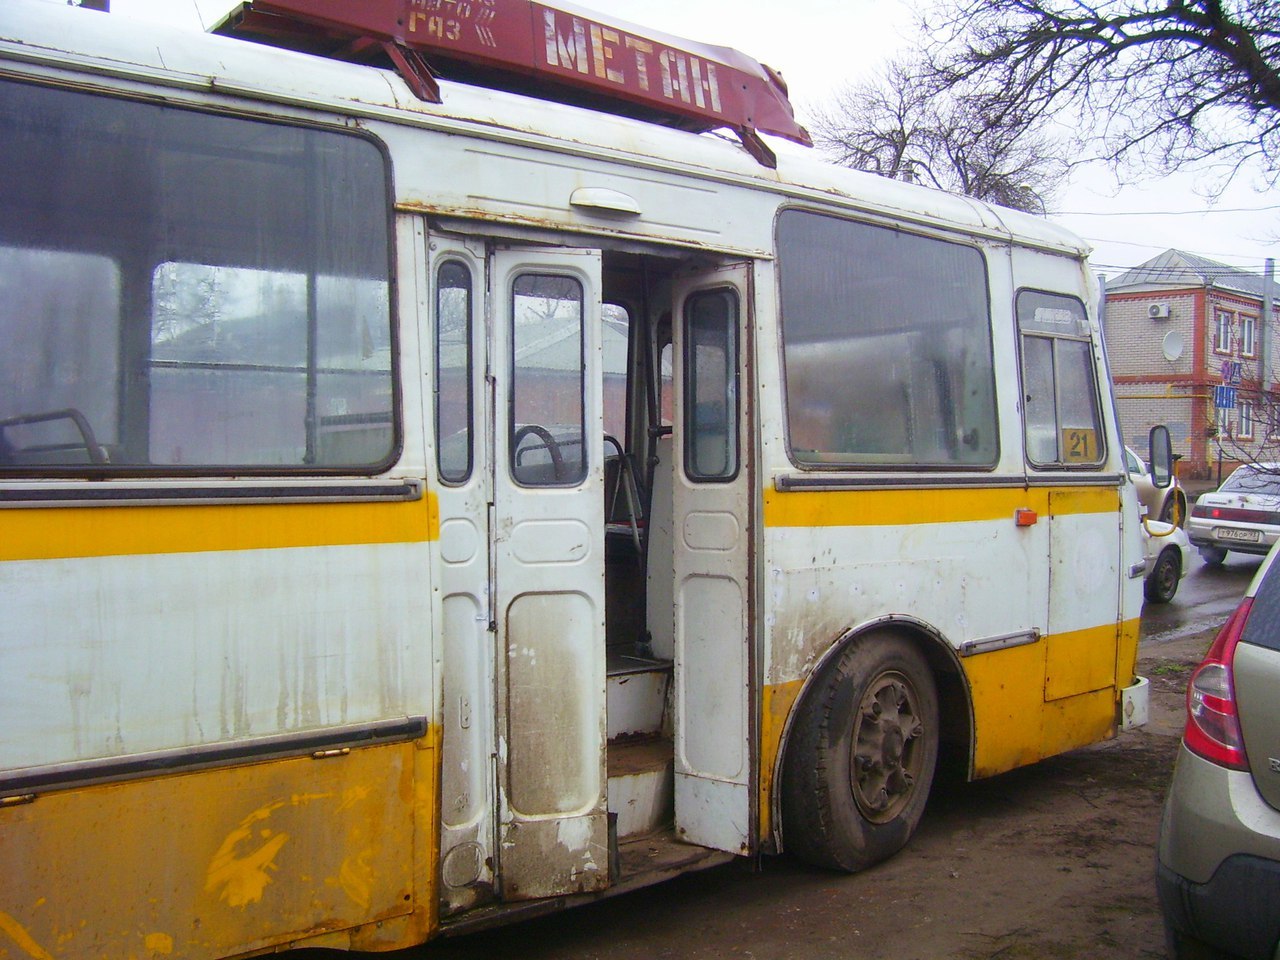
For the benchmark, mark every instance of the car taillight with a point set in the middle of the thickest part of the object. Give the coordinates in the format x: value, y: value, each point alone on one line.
x: 1213, y: 723
x: 1238, y: 514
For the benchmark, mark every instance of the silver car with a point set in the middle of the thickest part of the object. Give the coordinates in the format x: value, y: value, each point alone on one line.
x: 1243, y: 514
x: 1218, y: 870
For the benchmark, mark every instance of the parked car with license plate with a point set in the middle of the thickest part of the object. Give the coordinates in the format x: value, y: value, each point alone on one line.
x: 1218, y: 868
x: 1242, y: 515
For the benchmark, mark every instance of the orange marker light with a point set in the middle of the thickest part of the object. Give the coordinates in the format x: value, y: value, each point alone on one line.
x: 1025, y: 517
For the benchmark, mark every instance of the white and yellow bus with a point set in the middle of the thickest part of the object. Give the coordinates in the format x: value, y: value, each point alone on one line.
x: 416, y: 514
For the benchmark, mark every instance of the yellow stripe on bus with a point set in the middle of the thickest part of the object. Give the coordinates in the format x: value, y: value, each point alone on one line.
x: 66, y: 532
x: 849, y: 508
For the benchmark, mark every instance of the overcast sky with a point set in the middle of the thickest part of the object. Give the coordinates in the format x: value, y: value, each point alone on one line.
x: 819, y: 45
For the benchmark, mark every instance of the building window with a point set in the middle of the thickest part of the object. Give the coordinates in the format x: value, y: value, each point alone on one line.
x: 1246, y: 421
x: 1223, y: 421
x: 1248, y: 336
x: 1222, y: 332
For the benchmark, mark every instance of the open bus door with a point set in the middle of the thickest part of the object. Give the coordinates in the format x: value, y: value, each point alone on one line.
x: 548, y: 555
x: 711, y: 533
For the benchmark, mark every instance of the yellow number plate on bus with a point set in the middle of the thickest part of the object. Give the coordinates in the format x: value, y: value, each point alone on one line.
x: 1079, y: 446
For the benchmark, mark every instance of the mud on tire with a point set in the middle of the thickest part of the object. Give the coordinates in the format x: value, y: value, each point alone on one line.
x: 861, y: 755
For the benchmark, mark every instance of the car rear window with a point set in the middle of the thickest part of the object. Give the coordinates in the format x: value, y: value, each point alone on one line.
x: 1263, y: 626
x: 1249, y: 480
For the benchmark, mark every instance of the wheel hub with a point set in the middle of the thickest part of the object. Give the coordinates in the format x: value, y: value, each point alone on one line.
x: 886, y: 740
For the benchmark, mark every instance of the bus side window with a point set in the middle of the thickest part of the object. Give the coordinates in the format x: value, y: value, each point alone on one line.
x: 454, y: 442
x: 887, y: 349
x: 224, y: 307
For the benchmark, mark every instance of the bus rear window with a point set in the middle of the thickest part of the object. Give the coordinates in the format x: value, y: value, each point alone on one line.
x: 186, y: 292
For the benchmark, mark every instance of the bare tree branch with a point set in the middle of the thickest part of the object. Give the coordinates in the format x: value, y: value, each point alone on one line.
x: 971, y: 141
x: 1159, y: 84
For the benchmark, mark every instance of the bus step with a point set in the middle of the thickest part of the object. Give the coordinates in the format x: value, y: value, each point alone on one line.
x: 636, y: 695
x: 641, y: 786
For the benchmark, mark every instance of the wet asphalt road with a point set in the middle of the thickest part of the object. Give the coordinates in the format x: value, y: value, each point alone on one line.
x: 1204, y: 600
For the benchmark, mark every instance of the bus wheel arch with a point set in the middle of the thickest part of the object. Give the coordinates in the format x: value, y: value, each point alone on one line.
x: 863, y: 745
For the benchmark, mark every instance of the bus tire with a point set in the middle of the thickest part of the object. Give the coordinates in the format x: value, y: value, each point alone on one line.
x: 861, y: 755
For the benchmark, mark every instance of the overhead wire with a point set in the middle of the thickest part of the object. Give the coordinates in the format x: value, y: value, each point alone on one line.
x: 1163, y: 213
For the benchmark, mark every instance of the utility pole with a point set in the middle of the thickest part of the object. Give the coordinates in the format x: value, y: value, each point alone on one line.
x: 1264, y: 356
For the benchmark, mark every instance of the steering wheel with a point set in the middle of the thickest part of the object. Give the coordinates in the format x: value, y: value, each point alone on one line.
x: 548, y: 441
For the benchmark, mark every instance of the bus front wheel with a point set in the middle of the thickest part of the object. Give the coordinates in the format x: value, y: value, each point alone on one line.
x: 861, y: 755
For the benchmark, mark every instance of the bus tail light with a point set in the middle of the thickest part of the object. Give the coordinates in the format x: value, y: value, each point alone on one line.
x: 1213, y: 722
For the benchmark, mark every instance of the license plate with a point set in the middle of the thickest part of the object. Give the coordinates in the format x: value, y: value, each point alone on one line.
x: 1239, y: 536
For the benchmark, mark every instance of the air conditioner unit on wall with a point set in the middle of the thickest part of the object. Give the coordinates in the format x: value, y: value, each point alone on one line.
x: 1158, y: 311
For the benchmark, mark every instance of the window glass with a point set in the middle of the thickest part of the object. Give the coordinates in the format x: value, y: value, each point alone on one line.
x: 1041, y: 406
x: 887, y: 346
x: 1222, y: 335
x: 1060, y: 393
x: 666, y: 377
x: 1246, y: 421
x: 548, y: 409
x: 454, y: 444
x: 1260, y: 627
x: 60, y: 366
x: 235, y: 378
x: 1251, y: 479
x: 204, y: 292
x: 615, y: 333
x: 711, y: 385
x: 1248, y: 336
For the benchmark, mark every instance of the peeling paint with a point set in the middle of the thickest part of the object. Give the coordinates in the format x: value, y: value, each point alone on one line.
x: 18, y: 934
x: 356, y: 878
x: 244, y: 878
x: 160, y: 943
x: 239, y: 877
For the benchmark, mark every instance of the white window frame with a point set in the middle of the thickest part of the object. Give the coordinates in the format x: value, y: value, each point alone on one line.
x: 1223, y: 322
x: 1222, y: 419
x: 1245, y: 430
x: 1248, y: 336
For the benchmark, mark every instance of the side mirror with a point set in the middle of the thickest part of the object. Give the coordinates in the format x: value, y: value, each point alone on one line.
x: 1161, y: 447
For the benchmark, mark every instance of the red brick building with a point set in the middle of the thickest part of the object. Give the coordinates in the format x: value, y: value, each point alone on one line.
x: 1179, y: 327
